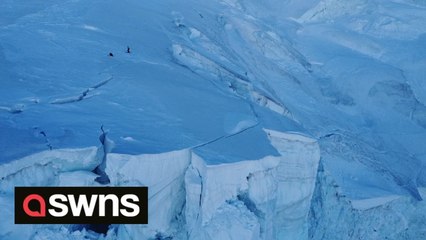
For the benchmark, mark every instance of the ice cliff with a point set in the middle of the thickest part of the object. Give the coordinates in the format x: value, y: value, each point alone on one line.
x: 188, y: 197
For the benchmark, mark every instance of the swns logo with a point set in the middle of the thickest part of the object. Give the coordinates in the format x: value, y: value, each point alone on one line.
x: 81, y: 205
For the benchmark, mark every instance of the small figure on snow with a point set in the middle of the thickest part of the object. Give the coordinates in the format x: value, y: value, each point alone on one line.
x: 110, y: 54
x: 128, y: 49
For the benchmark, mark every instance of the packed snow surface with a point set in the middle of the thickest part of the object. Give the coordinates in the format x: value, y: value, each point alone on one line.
x: 246, y: 119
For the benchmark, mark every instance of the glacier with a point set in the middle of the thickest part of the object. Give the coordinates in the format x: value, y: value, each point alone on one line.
x: 246, y: 119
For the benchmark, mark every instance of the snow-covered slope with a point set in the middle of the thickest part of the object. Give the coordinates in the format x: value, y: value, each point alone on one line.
x: 224, y: 109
